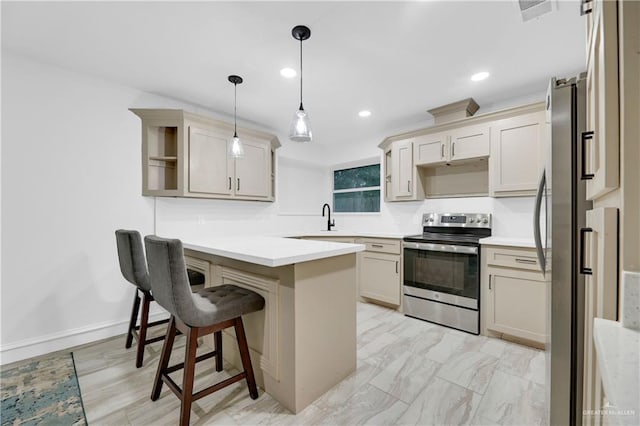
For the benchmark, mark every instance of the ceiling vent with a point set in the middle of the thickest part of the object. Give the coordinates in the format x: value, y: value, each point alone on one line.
x: 531, y: 9
x: 455, y: 111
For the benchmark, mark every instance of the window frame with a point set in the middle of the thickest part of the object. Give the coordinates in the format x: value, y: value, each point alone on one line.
x: 354, y: 165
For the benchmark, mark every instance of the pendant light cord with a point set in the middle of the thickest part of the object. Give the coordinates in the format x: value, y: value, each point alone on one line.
x: 301, y: 108
x: 235, y: 106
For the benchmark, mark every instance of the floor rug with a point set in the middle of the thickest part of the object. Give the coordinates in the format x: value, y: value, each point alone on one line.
x: 42, y: 392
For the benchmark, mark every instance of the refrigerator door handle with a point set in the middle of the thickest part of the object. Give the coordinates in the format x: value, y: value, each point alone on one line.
x: 586, y: 136
x: 583, y: 269
x: 536, y: 222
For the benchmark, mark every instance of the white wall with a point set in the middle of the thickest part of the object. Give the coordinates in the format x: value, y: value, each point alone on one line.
x: 69, y: 178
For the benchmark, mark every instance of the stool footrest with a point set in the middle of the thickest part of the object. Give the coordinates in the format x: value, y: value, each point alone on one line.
x: 180, y: 366
x: 204, y: 392
x: 220, y: 385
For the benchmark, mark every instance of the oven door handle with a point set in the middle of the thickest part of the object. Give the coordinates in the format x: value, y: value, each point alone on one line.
x: 440, y: 247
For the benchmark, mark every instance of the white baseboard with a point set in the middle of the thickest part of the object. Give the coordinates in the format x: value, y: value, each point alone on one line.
x: 29, y: 348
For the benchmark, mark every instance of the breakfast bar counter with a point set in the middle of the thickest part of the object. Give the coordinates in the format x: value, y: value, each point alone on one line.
x: 304, y: 341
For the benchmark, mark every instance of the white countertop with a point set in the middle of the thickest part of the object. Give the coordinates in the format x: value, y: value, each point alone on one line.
x: 507, y: 241
x: 618, y: 350
x: 340, y: 233
x: 271, y: 251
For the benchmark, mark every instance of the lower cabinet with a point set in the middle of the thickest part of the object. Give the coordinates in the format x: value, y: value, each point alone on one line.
x: 380, y: 277
x: 514, y: 294
x: 380, y: 270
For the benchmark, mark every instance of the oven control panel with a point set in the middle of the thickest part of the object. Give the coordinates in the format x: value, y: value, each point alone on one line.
x: 470, y: 220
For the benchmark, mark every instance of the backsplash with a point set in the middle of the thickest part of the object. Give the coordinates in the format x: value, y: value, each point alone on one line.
x: 190, y: 218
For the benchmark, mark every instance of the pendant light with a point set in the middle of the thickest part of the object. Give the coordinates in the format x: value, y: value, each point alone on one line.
x: 236, y: 150
x: 300, y: 130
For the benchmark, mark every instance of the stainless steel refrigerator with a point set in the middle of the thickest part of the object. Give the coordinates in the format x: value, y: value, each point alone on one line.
x: 560, y: 210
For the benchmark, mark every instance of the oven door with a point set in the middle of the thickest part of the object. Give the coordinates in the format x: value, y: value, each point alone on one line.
x: 442, y: 273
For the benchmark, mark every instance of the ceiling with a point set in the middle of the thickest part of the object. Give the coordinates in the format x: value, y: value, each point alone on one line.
x: 397, y: 59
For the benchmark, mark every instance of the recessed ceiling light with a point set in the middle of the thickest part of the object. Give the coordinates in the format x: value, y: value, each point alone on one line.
x: 479, y: 76
x: 288, y: 72
x: 364, y: 113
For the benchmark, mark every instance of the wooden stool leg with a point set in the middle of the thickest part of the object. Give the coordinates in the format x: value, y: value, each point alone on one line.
x: 218, y: 347
x: 246, y: 359
x: 187, y: 379
x: 164, y: 358
x: 134, y: 319
x: 144, y: 321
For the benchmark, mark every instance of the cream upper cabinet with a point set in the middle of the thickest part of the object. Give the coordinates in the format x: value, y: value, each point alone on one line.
x: 514, y: 295
x: 185, y: 155
x: 253, y: 171
x: 517, y: 154
x: 600, y: 143
x: 465, y: 143
x: 403, y: 168
x: 210, y: 171
x: 400, y: 182
x: 431, y: 149
x: 469, y: 142
x: 448, y: 159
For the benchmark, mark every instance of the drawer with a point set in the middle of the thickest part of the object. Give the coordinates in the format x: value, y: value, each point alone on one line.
x: 519, y: 258
x: 382, y: 245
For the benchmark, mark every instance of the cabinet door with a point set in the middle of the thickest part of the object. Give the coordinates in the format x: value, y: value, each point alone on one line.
x: 388, y: 175
x: 600, y: 251
x: 253, y: 171
x: 602, y: 148
x: 469, y: 142
x: 402, y: 155
x: 431, y: 149
x: 380, y: 277
x: 517, y: 303
x: 517, y: 149
x: 210, y: 171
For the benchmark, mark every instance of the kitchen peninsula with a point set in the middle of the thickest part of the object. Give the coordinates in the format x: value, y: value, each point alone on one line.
x: 304, y: 342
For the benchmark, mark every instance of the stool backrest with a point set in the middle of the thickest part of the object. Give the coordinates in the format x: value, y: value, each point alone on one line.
x: 169, y: 280
x: 131, y: 257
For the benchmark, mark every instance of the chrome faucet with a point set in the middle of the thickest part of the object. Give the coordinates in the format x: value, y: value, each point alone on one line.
x: 330, y: 223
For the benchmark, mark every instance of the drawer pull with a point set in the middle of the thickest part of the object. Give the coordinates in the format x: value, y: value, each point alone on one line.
x: 527, y: 261
x: 377, y: 245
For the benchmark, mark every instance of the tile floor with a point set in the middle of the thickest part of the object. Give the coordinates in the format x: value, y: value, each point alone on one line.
x: 409, y: 372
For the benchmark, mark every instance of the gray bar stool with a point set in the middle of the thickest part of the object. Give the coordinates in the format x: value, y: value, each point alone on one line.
x: 134, y: 269
x: 196, y: 314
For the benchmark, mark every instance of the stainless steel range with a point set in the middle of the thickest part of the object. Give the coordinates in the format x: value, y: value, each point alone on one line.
x: 442, y: 270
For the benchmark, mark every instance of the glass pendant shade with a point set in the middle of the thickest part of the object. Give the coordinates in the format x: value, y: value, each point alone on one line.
x: 300, y: 130
x: 236, y: 149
